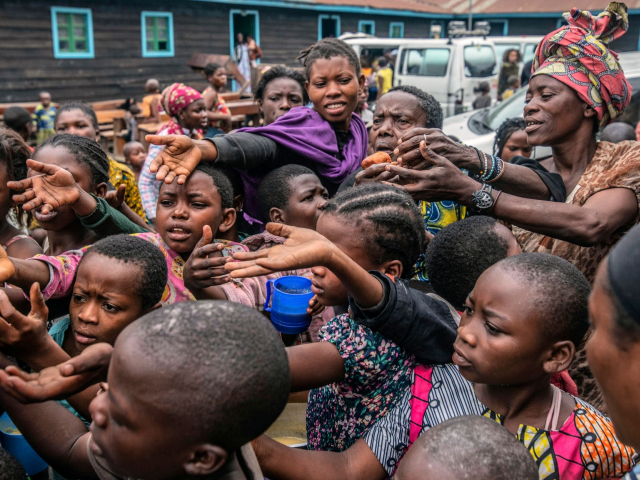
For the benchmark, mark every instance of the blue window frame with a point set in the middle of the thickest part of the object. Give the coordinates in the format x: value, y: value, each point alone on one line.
x: 72, y: 31
x: 367, y: 26
x: 157, y: 34
x: 328, y: 26
x: 499, y: 27
x: 396, y: 30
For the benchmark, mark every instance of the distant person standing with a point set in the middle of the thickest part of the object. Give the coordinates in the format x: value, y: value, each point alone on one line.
x: 241, y: 57
x: 255, y: 52
x: 151, y: 107
x: 483, y: 100
x: 43, y: 118
x: 385, y: 76
x: 510, y: 66
x: 513, y: 84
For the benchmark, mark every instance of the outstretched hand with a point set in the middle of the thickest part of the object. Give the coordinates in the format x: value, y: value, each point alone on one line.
x: 303, y: 248
x: 409, y: 154
x: 204, y: 269
x: 22, y: 333
x: 61, y: 381
x: 53, y: 188
x: 179, y: 157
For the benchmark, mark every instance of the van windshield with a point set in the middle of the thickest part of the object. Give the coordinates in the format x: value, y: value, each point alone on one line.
x: 479, y: 61
x: 427, y: 62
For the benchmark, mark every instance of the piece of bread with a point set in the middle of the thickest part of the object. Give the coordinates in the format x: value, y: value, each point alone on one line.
x: 376, y: 158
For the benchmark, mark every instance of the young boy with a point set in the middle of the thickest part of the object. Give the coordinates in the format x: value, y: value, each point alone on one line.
x: 151, y: 101
x: 19, y: 120
x: 189, y: 386
x: 44, y: 117
x: 467, y: 447
x: 134, y: 156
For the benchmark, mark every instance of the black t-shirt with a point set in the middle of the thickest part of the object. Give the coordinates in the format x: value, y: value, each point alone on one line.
x: 553, y: 181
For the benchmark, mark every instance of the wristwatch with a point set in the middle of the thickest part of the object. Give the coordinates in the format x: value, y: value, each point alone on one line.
x: 482, y: 200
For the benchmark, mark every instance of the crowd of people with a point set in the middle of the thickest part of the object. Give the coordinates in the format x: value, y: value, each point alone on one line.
x: 474, y: 314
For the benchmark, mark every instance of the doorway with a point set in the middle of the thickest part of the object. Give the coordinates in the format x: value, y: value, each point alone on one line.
x: 246, y: 22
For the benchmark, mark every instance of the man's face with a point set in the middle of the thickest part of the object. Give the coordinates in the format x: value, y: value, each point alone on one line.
x: 395, y: 115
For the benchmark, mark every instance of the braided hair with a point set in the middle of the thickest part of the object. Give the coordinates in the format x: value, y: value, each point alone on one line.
x: 14, y: 153
x: 279, y: 72
x: 504, y: 132
x: 84, y: 107
x: 392, y: 217
x: 328, y: 48
x: 86, y: 151
x: 426, y: 102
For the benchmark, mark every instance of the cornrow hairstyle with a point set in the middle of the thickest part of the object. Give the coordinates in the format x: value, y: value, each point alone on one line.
x: 128, y: 249
x: 328, y: 48
x: 211, y: 68
x: 275, y: 189
x: 220, y: 180
x: 14, y: 153
x: 392, y: 220
x: 504, y: 132
x: 86, y: 151
x: 83, y: 107
x: 426, y: 102
x: 279, y: 72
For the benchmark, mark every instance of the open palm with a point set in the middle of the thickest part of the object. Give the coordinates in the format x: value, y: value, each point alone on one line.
x: 53, y: 188
x: 179, y: 157
x: 303, y: 248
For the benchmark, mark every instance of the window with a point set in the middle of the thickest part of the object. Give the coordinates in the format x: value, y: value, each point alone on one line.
x: 72, y: 30
x: 501, y: 48
x: 396, y: 30
x: 479, y: 61
x: 328, y: 26
x: 499, y: 28
x: 428, y: 62
x: 367, y: 26
x: 157, y: 34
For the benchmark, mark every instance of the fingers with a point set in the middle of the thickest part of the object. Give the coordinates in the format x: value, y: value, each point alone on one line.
x: 38, y: 306
x: 251, y: 255
x: 207, y: 236
x: 7, y: 310
x: 158, y: 140
x: 120, y: 193
x: 15, y: 371
x: 280, y: 229
x: 170, y: 177
x: 24, y: 197
x: 21, y: 184
x: 162, y: 169
x: 246, y: 269
x: 91, y: 359
x: 430, y: 155
x: 405, y: 173
x: 47, y: 169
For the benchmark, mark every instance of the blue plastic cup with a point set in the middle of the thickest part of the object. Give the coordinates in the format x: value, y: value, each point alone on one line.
x: 14, y: 443
x: 289, y: 304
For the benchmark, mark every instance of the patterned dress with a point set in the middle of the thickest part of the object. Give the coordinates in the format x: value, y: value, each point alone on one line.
x: 120, y: 174
x: 377, y: 372
x: 584, y: 448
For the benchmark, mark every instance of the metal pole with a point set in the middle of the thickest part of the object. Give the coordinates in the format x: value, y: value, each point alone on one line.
x: 470, y: 26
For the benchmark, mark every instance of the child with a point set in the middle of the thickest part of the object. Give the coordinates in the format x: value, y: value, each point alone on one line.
x: 218, y: 112
x: 381, y: 229
x: 520, y: 325
x: 134, y: 156
x: 467, y: 447
x: 329, y: 138
x: 19, y: 120
x: 78, y: 118
x: 151, y: 107
x: 511, y: 140
x: 131, y: 108
x: 43, y: 118
x: 292, y: 195
x: 513, y: 84
x: 483, y: 100
x: 165, y: 412
x: 13, y: 157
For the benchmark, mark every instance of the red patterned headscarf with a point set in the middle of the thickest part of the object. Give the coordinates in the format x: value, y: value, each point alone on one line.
x: 578, y: 56
x: 177, y: 97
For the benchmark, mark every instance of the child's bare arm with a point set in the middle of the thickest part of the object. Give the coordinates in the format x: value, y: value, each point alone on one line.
x: 305, y: 248
x: 280, y: 462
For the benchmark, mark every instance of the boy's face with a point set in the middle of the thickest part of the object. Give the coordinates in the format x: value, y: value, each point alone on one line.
x: 136, y: 156
x: 305, y: 203
x: 75, y: 122
x: 499, y: 341
x: 183, y: 210
x: 45, y: 99
x: 105, y: 300
x: 395, y: 115
x: 131, y: 431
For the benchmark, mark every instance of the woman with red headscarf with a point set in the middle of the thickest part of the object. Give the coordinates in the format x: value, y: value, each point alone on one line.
x: 577, y: 87
x: 188, y: 113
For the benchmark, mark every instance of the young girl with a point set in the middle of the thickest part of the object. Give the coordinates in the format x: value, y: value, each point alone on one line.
x: 280, y: 89
x: 188, y: 113
x: 78, y: 118
x: 329, y: 139
x: 511, y: 140
x: 218, y: 112
x: 13, y: 156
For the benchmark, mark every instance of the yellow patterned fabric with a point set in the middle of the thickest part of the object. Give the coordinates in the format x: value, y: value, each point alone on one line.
x: 120, y: 174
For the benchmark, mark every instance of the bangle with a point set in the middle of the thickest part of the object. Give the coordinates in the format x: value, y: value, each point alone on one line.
x: 480, y: 159
x: 500, y: 173
x: 493, y: 167
x: 493, y: 207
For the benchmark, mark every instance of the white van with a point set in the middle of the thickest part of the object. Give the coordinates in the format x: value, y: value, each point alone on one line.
x: 448, y: 69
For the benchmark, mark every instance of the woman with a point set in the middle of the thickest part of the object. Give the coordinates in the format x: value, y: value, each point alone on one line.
x: 188, y: 113
x: 510, y: 66
x: 511, y: 140
x: 280, y: 89
x: 241, y: 57
x: 564, y: 112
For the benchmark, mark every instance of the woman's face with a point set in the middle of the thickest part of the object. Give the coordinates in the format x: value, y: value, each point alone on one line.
x: 194, y: 116
x: 280, y: 96
x: 76, y: 122
x: 554, y: 113
x: 219, y: 78
x: 517, y: 144
x: 513, y: 56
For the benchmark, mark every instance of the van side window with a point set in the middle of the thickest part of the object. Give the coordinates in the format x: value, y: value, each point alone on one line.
x: 428, y: 62
x: 479, y: 61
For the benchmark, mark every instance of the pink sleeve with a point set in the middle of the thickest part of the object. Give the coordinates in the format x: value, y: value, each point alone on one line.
x: 63, y: 273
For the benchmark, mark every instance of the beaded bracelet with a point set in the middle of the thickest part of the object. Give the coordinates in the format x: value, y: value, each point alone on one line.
x: 493, y: 167
x: 500, y: 173
x: 480, y: 158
